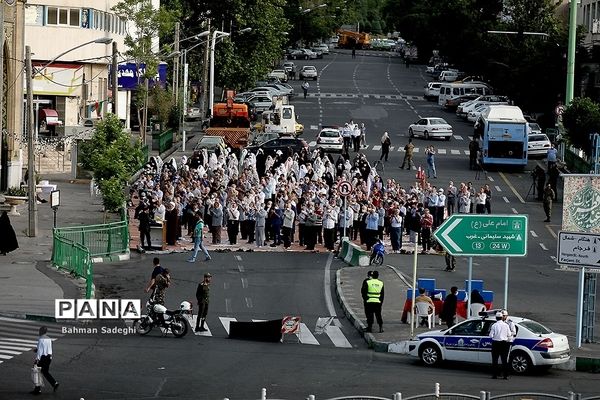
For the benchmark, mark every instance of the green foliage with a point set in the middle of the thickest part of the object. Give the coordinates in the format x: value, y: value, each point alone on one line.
x: 112, y: 158
x: 16, y: 191
x: 581, y: 118
x: 161, y: 103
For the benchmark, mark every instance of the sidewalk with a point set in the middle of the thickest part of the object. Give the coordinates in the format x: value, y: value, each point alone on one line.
x: 396, y: 334
x: 29, y: 284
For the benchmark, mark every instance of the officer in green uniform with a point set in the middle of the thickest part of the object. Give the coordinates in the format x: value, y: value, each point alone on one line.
x: 372, y: 292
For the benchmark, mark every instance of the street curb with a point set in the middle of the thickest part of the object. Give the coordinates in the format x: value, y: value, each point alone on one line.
x: 28, y: 317
x: 112, y: 258
x: 376, y: 345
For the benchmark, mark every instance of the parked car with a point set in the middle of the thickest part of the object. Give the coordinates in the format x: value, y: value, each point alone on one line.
x: 193, y: 114
x: 431, y: 127
x: 323, y: 48
x: 474, y: 114
x: 301, y: 54
x: 260, y: 102
x: 537, y: 144
x: 279, y: 74
x: 284, y: 88
x: 309, y: 53
x: 308, y: 72
x: 458, y: 102
x: 211, y: 144
x: 288, y: 66
x: 468, y: 341
x: 432, y: 90
x: 268, y: 89
x: 534, y: 127
x: 287, y: 145
x: 330, y: 139
x: 491, y: 99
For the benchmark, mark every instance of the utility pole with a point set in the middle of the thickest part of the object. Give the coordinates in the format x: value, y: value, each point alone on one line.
x: 571, y: 52
x: 205, y: 75
x: 176, y: 66
x: 115, y: 81
x: 33, y: 220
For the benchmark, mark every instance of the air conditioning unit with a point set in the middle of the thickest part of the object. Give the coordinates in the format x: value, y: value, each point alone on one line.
x: 595, y: 26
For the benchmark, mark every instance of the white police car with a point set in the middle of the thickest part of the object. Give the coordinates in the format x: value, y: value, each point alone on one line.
x: 534, y: 346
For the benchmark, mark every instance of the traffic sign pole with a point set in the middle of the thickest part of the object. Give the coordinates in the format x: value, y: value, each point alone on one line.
x: 469, y: 284
x: 506, y: 283
x: 345, y: 214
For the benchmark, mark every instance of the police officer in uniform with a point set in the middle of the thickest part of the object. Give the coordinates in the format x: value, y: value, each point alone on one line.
x: 372, y: 293
x: 501, y: 335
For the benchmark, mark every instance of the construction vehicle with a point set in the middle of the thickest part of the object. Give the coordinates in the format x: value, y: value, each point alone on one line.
x: 231, y: 121
x: 280, y: 119
x: 350, y: 39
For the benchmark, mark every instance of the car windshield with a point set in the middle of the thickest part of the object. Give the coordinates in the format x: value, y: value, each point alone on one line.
x: 309, y: 68
x: 534, y: 126
x: 330, y: 133
x: 538, y: 138
x: 437, y: 121
x: 535, y: 327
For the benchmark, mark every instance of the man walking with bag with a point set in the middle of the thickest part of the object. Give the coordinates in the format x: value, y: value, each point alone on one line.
x: 43, y: 360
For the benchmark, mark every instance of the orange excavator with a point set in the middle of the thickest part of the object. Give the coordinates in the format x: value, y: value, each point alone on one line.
x: 350, y: 39
x: 231, y: 121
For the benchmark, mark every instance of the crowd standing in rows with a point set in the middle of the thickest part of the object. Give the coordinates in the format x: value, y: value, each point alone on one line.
x: 290, y: 198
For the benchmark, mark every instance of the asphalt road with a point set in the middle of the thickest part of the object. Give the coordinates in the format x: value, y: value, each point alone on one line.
x: 385, y: 95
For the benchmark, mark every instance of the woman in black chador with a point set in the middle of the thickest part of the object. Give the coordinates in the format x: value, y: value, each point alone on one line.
x: 9, y: 239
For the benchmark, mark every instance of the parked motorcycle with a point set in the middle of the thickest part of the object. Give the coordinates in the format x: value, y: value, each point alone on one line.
x: 377, y: 253
x: 159, y: 316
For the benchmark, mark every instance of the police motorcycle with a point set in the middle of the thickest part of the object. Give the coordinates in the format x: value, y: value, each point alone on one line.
x: 159, y: 316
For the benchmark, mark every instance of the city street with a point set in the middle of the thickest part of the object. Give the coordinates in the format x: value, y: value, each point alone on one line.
x: 381, y: 92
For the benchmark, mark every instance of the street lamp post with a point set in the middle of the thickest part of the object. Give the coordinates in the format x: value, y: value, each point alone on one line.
x: 31, y: 184
x: 211, y: 95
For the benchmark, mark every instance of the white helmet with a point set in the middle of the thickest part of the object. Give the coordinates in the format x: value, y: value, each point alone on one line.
x: 185, y: 306
x: 160, y: 309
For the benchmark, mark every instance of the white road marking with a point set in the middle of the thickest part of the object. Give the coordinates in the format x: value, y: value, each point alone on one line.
x: 455, y: 152
x: 241, y: 268
x: 491, y: 179
x: 228, y: 305
x: 244, y: 283
x: 377, y: 147
x: 248, y: 302
x: 314, y: 127
x: 466, y: 152
x: 514, y: 211
x: 225, y: 322
x: 337, y: 337
x: 416, y: 150
x: 512, y: 188
x: 239, y: 258
x: 441, y: 151
x: 498, y: 188
x: 505, y: 199
x: 305, y: 336
x: 16, y: 347
x: 543, y: 246
x: 458, y: 137
x: 2, y: 351
x: 533, y: 234
x: 192, y: 321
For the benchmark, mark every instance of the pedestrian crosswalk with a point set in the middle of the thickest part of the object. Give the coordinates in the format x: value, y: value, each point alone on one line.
x: 19, y: 336
x: 332, y: 335
x: 400, y: 149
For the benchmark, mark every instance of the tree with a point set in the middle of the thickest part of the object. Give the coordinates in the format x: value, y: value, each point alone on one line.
x: 113, y: 159
x: 581, y: 118
x: 149, y: 23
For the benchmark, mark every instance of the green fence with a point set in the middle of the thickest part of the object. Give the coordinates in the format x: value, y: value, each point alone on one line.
x: 162, y: 141
x: 74, y: 247
x: 576, y: 164
x: 75, y: 258
x: 100, y: 240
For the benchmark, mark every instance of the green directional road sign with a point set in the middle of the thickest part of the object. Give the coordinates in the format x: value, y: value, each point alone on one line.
x: 484, y: 235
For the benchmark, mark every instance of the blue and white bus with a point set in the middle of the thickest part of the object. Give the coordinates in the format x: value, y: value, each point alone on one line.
x: 502, y: 134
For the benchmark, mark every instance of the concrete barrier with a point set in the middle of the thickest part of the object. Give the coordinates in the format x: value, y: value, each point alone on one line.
x: 353, y: 255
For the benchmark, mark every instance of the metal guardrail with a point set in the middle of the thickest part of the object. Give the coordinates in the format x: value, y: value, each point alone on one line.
x: 577, y: 164
x: 438, y: 395
x: 75, y: 258
x: 100, y: 240
x: 162, y: 141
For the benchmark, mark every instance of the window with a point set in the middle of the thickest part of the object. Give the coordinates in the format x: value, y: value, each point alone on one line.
x: 74, y: 17
x: 63, y: 16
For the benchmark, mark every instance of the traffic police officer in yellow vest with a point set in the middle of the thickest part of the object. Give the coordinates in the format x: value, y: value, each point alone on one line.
x: 372, y: 293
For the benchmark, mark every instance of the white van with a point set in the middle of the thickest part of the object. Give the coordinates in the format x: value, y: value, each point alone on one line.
x: 448, y: 76
x: 449, y: 91
x: 432, y: 90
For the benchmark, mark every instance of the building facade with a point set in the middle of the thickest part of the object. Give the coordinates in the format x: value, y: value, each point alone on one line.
x: 11, y: 94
